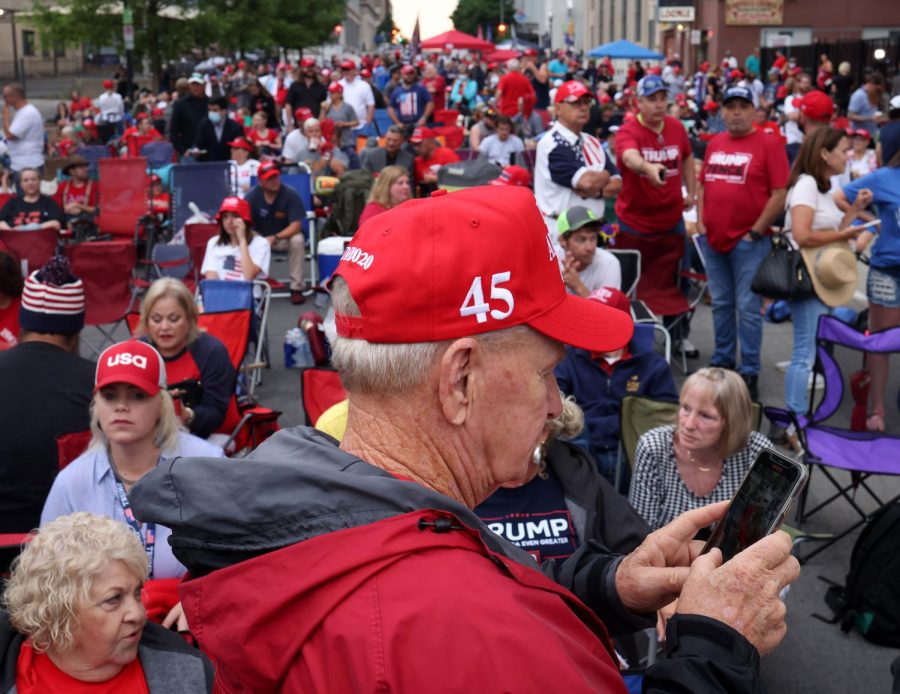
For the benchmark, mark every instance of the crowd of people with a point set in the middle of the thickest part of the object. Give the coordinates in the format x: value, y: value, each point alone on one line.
x: 486, y: 342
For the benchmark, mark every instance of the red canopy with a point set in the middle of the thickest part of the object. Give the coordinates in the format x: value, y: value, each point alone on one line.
x: 457, y: 39
x: 502, y: 55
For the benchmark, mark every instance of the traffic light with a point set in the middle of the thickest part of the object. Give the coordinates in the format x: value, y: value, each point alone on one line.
x: 501, y: 28
x: 338, y: 28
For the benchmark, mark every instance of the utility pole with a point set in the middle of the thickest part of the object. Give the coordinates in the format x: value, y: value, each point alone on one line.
x: 128, y: 36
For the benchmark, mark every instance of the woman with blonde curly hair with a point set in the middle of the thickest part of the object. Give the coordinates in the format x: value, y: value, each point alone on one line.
x: 134, y: 428
x: 75, y: 622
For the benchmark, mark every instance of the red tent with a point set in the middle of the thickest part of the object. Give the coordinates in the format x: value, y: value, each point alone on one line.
x: 502, y: 55
x: 457, y: 39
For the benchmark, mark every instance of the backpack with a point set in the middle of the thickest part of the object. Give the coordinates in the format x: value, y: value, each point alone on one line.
x: 349, y: 199
x: 870, y: 601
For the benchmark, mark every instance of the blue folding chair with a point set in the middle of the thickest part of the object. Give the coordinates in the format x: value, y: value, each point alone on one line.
x: 205, y: 184
x: 94, y: 153
x: 256, y: 296
x: 158, y: 154
x: 299, y: 179
x: 382, y: 121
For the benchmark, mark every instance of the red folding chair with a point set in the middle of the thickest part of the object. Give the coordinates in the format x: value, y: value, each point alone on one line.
x: 34, y: 247
x: 322, y: 388
x: 446, y: 116
x: 453, y: 135
x: 106, y: 268
x: 196, y: 236
x: 124, y: 196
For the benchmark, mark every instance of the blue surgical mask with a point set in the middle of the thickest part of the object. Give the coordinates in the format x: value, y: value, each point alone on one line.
x: 215, y: 116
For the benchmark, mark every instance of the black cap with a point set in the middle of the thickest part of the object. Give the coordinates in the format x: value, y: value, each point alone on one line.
x: 738, y: 93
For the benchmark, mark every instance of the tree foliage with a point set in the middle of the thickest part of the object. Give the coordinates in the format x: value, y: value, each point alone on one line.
x: 167, y: 29
x: 469, y: 14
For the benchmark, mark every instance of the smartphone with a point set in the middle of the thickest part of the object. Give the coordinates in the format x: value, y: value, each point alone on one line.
x: 867, y: 225
x: 760, y: 504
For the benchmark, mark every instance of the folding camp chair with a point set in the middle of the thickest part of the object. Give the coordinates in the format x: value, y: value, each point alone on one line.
x: 124, y: 197
x: 466, y: 154
x: 196, y: 236
x: 382, y: 121
x: 70, y: 446
x: 106, y: 269
x: 828, y: 442
x: 630, y: 263
x: 204, y: 184
x: 33, y: 248
x: 169, y: 260
x: 695, y: 282
x: 446, y: 116
x: 158, y: 154
x: 229, y: 295
x: 321, y: 388
x: 301, y: 182
x: 94, y: 154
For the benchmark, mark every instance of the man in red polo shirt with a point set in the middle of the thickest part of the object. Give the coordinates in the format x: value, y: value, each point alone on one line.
x: 430, y: 156
x: 744, y: 175
x: 654, y: 157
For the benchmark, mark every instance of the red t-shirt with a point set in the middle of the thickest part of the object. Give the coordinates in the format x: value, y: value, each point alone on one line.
x: 437, y: 86
x: 266, y: 139
x: 640, y: 204
x: 65, y: 147
x: 36, y: 674
x: 771, y: 128
x: 440, y: 156
x: 9, y: 325
x: 512, y: 87
x: 68, y: 192
x: 134, y: 140
x: 738, y: 177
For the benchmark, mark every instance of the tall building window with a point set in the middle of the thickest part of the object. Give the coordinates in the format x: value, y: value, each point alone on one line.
x: 29, y: 43
x: 625, y: 19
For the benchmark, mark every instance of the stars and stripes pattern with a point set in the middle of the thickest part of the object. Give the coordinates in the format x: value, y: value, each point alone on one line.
x: 66, y: 300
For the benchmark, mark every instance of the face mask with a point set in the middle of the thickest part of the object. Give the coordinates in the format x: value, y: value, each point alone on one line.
x: 215, y: 117
x: 248, y: 121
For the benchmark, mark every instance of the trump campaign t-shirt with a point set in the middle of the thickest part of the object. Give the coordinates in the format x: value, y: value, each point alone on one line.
x: 738, y: 177
x: 641, y: 205
x: 533, y: 517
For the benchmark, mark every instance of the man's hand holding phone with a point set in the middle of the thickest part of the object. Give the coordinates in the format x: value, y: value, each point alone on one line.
x: 656, y: 173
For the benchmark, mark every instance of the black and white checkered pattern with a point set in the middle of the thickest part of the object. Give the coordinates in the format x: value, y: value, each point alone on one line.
x: 657, y: 491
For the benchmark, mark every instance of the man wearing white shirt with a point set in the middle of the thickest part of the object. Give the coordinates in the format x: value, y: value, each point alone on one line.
x: 112, y: 110
x: 792, y: 132
x: 502, y: 146
x: 358, y: 94
x: 24, y: 131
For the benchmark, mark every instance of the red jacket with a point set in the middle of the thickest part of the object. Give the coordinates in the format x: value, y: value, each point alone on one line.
x: 375, y: 608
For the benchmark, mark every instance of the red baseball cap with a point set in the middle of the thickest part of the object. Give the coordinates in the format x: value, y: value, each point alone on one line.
x: 108, y: 84
x: 513, y: 176
x: 241, y: 143
x: 307, y: 62
x: 612, y: 297
x: 816, y: 105
x: 335, y: 87
x: 365, y: 72
x: 451, y: 266
x: 407, y: 70
x: 420, y: 135
x: 571, y: 91
x: 348, y: 65
x: 530, y: 52
x: 133, y: 362
x: 235, y: 204
x: 736, y: 74
x: 143, y: 115
x: 267, y: 170
x: 860, y: 133
x: 302, y: 113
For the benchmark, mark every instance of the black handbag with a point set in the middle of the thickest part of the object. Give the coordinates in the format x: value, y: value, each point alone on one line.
x: 783, y: 274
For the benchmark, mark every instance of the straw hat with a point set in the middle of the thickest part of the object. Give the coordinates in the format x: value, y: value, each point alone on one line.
x: 833, y: 271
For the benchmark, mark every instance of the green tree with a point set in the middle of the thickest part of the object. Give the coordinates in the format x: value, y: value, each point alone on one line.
x: 469, y: 14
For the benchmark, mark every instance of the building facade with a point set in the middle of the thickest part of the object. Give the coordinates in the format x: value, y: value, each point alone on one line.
x: 21, y: 46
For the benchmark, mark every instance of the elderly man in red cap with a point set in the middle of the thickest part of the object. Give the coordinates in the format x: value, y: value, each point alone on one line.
x: 571, y: 167
x: 362, y: 567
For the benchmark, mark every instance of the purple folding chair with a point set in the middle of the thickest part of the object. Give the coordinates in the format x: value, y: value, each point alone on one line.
x: 830, y: 444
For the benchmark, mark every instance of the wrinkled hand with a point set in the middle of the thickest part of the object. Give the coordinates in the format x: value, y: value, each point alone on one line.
x: 663, y: 615
x: 176, y: 616
x: 652, y: 575
x: 744, y: 592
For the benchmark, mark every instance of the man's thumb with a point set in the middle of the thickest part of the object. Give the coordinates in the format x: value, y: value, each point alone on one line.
x: 707, y: 563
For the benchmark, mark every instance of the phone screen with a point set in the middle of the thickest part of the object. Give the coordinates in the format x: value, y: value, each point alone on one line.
x: 760, y: 503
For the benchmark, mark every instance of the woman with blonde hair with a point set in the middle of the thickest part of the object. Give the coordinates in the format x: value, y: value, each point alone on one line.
x: 391, y: 189
x: 197, y: 364
x: 74, y: 620
x: 703, y: 457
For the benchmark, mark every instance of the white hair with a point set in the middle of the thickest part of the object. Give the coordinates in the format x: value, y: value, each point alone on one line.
x: 310, y: 122
x: 513, y: 63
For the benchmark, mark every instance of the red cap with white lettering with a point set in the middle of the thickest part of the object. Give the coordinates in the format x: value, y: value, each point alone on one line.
x: 466, y: 263
x: 133, y: 362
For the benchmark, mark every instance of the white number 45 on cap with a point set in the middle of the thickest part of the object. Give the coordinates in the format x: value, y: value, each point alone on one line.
x: 474, y: 304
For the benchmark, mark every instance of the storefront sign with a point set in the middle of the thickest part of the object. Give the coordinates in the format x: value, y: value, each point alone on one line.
x: 676, y: 14
x: 754, y: 12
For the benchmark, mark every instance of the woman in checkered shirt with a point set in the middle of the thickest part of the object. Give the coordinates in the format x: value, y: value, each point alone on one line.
x: 703, y: 457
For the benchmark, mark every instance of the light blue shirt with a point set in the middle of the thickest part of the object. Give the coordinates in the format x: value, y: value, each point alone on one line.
x: 88, y: 484
x: 861, y: 106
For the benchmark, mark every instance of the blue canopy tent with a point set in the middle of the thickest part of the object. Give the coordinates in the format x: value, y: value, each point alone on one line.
x: 625, y: 50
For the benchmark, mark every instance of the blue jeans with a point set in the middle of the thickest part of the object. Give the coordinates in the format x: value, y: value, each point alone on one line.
x: 805, y: 319
x: 736, y: 309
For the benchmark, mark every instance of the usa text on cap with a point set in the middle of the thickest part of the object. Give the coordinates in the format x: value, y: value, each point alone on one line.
x: 133, y: 362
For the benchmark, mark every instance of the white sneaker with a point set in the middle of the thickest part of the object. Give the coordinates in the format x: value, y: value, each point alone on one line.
x: 782, y: 366
x: 819, y: 382
x: 689, y: 350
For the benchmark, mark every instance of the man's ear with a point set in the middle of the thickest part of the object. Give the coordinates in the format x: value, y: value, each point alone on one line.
x: 455, y: 385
